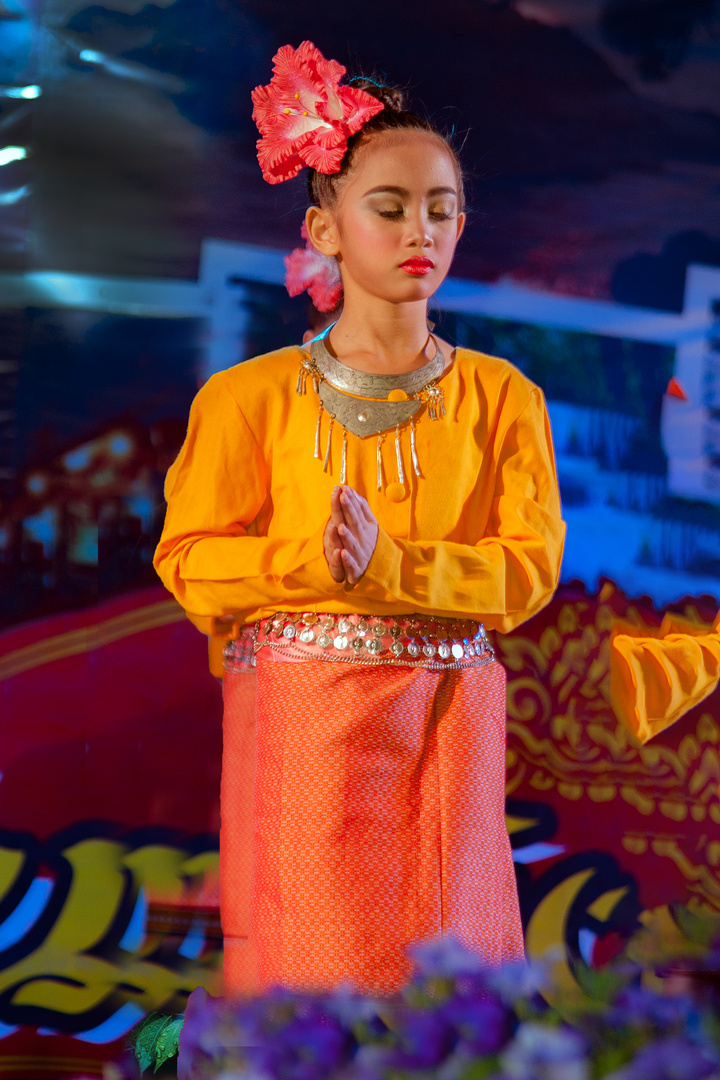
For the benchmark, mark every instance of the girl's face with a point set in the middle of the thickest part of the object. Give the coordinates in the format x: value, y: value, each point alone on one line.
x: 396, y: 223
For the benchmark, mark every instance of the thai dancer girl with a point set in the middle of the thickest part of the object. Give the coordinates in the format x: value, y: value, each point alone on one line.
x: 364, y: 502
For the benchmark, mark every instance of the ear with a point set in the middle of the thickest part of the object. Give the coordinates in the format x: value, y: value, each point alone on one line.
x: 322, y: 230
x: 462, y: 218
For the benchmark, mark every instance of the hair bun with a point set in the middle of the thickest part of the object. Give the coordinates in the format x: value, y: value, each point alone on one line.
x: 392, y: 98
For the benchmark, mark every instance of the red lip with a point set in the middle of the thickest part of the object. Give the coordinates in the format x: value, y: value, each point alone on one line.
x: 416, y: 265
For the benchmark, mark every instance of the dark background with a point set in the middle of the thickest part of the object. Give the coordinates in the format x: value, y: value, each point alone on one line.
x: 590, y: 132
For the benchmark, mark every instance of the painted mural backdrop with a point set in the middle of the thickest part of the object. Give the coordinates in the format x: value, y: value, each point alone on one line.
x: 139, y: 252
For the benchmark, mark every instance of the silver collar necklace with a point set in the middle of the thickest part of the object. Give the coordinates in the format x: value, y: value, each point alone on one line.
x: 368, y: 384
x: 366, y: 404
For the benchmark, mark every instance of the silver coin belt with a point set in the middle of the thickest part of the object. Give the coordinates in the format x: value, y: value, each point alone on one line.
x: 239, y: 655
x: 410, y: 641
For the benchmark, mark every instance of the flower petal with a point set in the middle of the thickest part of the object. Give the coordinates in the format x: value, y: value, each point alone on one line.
x: 325, y: 295
x: 323, y: 159
x: 300, y: 268
x: 307, y: 269
x: 304, y: 112
x: 274, y: 150
x: 358, y: 107
x: 281, y: 167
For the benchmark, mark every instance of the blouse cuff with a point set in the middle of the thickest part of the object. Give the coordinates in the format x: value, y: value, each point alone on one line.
x: 384, y: 566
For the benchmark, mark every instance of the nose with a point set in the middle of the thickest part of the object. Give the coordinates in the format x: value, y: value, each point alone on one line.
x: 418, y: 233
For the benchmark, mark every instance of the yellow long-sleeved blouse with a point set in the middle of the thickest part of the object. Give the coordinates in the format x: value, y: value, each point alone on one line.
x: 479, y: 535
x: 657, y: 676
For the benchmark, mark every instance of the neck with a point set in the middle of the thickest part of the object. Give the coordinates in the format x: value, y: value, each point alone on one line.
x: 381, y: 337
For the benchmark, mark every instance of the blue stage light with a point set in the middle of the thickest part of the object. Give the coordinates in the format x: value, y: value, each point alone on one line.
x: 26, y: 92
x: 9, y: 198
x: 12, y: 153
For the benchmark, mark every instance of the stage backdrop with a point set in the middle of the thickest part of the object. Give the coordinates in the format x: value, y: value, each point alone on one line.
x: 140, y: 252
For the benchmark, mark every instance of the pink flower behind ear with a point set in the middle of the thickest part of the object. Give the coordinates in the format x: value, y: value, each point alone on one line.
x: 304, y: 115
x: 307, y: 268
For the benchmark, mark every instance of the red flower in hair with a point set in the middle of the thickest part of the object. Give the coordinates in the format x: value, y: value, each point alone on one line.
x: 308, y: 269
x: 304, y: 115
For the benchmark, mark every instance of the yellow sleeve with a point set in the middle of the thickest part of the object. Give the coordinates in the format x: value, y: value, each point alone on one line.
x: 512, y: 571
x: 218, y: 632
x: 656, y: 678
x: 214, y: 490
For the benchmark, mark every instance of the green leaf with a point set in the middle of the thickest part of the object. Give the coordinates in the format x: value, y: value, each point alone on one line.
x: 168, y: 1041
x: 146, y: 1038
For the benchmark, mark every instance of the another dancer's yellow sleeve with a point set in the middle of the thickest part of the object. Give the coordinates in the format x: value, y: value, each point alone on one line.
x: 656, y: 677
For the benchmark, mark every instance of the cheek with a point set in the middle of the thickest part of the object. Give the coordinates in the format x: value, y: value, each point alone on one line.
x: 364, y: 238
x: 445, y: 243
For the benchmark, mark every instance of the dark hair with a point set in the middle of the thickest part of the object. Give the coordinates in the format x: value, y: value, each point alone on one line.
x: 323, y: 187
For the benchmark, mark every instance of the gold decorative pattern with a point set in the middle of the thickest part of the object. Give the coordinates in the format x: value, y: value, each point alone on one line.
x: 563, y: 736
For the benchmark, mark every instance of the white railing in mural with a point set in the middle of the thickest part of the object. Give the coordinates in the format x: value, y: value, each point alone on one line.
x: 691, y: 420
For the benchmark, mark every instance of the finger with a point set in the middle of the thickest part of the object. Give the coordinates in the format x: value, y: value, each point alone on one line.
x: 359, y: 550
x: 331, y: 538
x: 350, y: 541
x: 352, y: 569
x: 350, y: 508
x: 364, y: 539
x: 365, y: 510
x: 336, y: 514
x: 337, y: 573
x: 333, y: 555
x: 336, y: 510
x: 336, y: 563
x: 336, y: 558
x: 362, y: 508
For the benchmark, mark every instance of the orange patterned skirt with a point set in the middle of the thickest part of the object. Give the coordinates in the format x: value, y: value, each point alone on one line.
x: 362, y: 811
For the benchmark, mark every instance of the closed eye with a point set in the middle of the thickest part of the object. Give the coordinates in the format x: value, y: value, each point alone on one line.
x: 436, y: 215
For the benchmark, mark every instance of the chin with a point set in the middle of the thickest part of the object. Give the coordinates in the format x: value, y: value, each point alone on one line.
x: 405, y: 292
x: 412, y: 291
x: 418, y: 290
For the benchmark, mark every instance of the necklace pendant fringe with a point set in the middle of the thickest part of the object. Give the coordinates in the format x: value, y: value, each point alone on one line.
x: 379, y: 464
x: 435, y: 401
x: 343, y: 461
x: 317, y: 431
x: 326, y: 463
x: 307, y: 367
x: 398, y: 455
x: 413, y: 451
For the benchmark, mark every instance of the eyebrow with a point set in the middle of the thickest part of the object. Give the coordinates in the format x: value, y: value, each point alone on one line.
x: 387, y: 189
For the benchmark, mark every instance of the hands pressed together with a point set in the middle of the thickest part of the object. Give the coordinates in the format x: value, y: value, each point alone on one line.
x: 350, y: 535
